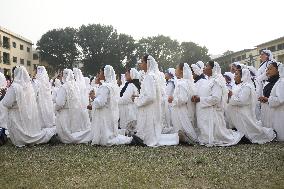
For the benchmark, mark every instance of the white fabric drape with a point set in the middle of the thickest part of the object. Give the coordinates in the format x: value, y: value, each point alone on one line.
x: 23, y: 119
x: 276, y: 103
x: 72, y: 121
x: 44, y: 98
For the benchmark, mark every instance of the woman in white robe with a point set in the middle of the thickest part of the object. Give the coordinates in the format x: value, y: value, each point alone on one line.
x: 169, y: 91
x: 23, y: 119
x: 127, y: 108
x: 276, y: 103
x: 266, y: 112
x: 72, y: 121
x: 149, y: 102
x: 44, y: 98
x: 56, y: 85
x: 242, y: 108
x: 84, y: 91
x: 105, y: 111
x: 3, y: 110
x: 210, y: 101
x: 183, y: 108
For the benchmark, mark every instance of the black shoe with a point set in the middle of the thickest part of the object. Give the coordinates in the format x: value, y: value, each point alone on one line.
x: 137, y: 141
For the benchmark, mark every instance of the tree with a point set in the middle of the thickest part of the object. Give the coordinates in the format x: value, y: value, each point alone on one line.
x: 228, y: 52
x: 165, y: 50
x: 192, y: 53
x: 102, y: 45
x: 58, y: 48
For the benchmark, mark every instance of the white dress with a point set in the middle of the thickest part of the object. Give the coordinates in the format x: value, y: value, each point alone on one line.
x: 104, y: 119
x: 72, y: 122
x: 210, y: 116
x: 127, y: 108
x: 3, y: 116
x: 170, y: 87
x: 243, y: 116
x: 182, y: 114
x: 24, y: 126
x: 149, y: 126
x: 276, y: 103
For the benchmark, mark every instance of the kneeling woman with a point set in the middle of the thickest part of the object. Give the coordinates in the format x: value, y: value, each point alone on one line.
x: 72, y: 122
x: 183, y: 108
x: 105, y: 111
x: 242, y: 104
x: 23, y: 118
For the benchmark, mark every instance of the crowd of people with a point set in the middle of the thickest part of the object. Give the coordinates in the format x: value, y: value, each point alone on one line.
x: 192, y: 103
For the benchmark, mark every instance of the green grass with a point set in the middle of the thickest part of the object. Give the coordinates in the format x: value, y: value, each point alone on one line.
x: 83, y: 166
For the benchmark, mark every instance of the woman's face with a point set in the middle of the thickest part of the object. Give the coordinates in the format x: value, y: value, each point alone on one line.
x: 263, y: 57
x: 179, y: 72
x: 208, y: 70
x: 127, y: 76
x: 238, y: 78
x: 101, y: 75
x: 233, y: 68
x: 271, y: 71
x: 143, y: 65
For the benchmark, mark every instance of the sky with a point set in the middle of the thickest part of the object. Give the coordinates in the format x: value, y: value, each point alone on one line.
x: 219, y: 25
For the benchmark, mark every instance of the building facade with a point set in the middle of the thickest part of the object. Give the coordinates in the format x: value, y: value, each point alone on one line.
x: 251, y: 57
x: 15, y: 50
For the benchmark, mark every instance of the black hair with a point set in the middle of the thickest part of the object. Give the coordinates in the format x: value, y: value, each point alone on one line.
x: 102, y: 68
x: 239, y: 67
x: 145, y: 57
x: 274, y: 64
x: 211, y: 63
x: 180, y: 66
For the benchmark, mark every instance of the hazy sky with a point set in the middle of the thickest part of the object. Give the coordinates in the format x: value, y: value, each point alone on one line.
x: 218, y: 24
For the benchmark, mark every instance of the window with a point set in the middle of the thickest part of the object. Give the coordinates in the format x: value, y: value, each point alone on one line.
x: 14, y: 59
x: 28, y: 49
x: 280, y: 47
x: 6, y: 42
x: 35, y: 66
x: 6, y: 58
x: 35, y: 56
x: 28, y: 63
x: 21, y: 47
x: 22, y: 61
x: 272, y: 48
x: 14, y: 44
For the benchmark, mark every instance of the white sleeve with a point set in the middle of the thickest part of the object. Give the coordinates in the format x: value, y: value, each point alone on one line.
x: 278, y: 99
x: 149, y: 93
x: 180, y: 96
x: 60, y: 98
x: 242, y: 98
x: 10, y: 98
x: 127, y: 95
x: 101, y: 100
x: 213, y: 99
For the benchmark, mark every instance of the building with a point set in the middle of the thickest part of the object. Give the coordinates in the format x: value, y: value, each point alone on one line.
x: 15, y: 50
x: 276, y: 46
x: 250, y: 57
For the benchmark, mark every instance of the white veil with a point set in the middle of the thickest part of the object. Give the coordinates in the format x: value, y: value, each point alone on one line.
x: 45, y: 97
x: 134, y: 74
x: 110, y: 83
x: 198, y: 67
x: 3, y: 82
x: 80, y: 81
x: 187, y: 75
x: 220, y: 80
x: 26, y: 101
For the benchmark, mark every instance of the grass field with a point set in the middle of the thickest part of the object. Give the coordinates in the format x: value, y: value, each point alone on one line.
x: 83, y: 166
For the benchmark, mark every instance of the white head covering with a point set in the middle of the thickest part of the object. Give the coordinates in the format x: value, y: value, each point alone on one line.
x: 44, y: 97
x: 230, y: 75
x: 172, y: 71
x: 110, y: 83
x: 57, y: 83
x: 187, y: 75
x: 269, y: 53
x: 26, y: 101
x: 134, y: 74
x: 281, y: 70
x: 3, y: 82
x: 252, y: 69
x: 81, y: 83
x: 246, y: 80
x: 198, y: 67
x: 220, y: 80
